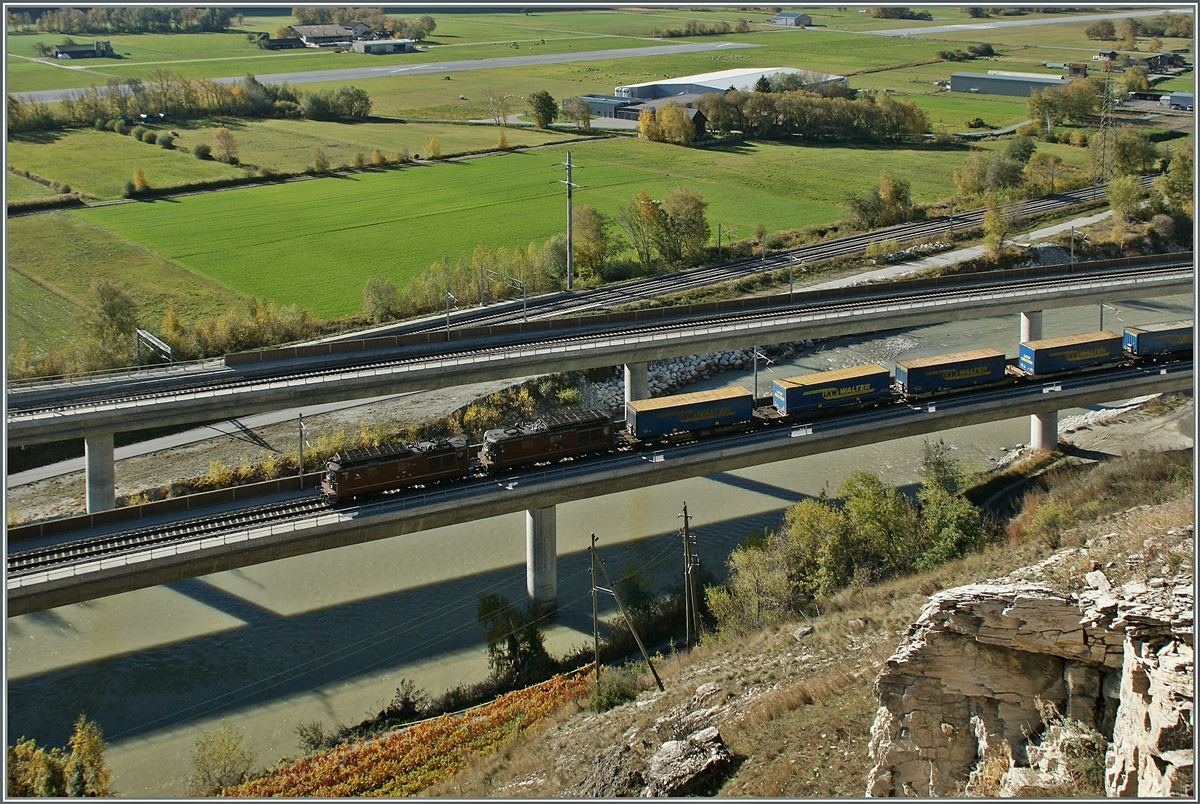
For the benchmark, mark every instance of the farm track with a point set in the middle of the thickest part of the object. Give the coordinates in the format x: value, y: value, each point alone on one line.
x: 23, y: 562
x: 228, y: 380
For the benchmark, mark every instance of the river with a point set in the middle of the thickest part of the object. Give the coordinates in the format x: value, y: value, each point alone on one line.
x: 328, y: 636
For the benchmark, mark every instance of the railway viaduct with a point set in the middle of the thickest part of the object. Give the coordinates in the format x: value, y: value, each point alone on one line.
x: 539, y: 491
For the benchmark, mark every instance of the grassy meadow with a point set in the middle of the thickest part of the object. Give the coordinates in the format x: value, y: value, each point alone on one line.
x: 21, y: 188
x: 284, y: 145
x: 53, y: 259
x: 507, y: 200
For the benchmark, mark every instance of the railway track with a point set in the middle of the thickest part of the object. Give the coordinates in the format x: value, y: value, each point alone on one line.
x: 139, y: 540
x: 230, y: 381
x: 557, y: 304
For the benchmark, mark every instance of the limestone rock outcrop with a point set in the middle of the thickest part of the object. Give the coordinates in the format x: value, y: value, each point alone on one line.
x: 989, y: 664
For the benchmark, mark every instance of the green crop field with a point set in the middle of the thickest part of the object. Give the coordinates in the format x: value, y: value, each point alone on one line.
x: 326, y: 237
x: 54, y: 258
x: 285, y: 145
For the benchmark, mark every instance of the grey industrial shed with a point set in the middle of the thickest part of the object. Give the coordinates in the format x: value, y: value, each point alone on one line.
x: 984, y: 84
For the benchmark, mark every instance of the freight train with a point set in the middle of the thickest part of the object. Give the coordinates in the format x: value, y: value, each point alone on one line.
x: 731, y: 409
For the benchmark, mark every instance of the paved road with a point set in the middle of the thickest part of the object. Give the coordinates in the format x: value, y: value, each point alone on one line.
x: 988, y: 25
x: 387, y: 70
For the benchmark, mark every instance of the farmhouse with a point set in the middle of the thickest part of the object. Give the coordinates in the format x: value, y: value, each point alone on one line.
x: 1105, y: 55
x: 722, y: 82
x: 332, y: 34
x: 792, y: 19
x: 380, y: 46
x: 96, y: 50
x: 995, y: 82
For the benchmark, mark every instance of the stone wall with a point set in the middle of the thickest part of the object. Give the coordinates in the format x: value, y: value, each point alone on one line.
x: 986, y: 663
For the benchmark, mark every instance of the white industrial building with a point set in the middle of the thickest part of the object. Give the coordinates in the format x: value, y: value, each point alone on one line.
x: 722, y: 81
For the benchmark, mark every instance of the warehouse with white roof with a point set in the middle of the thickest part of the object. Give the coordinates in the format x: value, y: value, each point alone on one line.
x: 721, y: 81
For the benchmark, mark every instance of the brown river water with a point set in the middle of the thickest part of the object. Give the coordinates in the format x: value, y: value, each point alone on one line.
x: 329, y: 635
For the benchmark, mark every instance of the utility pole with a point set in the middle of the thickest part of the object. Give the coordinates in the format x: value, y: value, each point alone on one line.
x: 570, y: 244
x: 595, y: 607
x: 628, y: 620
x: 1072, y: 246
x: 303, y: 433
x: 519, y: 284
x: 718, y: 242
x: 450, y: 297
x: 691, y: 607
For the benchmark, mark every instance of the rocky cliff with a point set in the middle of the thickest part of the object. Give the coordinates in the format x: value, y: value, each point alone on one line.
x: 987, y: 667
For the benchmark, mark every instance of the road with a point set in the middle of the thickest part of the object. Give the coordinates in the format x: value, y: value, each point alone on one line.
x: 389, y: 70
x: 988, y: 25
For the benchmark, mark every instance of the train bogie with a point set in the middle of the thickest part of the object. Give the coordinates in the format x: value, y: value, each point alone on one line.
x: 1052, y: 355
x: 685, y: 413
x: 391, y: 466
x: 926, y: 375
x: 830, y: 389
x: 553, y: 438
x: 1159, y: 339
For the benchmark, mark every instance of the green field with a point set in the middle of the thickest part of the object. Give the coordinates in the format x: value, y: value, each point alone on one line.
x: 285, y: 145
x: 54, y: 258
x: 20, y: 188
x: 326, y: 237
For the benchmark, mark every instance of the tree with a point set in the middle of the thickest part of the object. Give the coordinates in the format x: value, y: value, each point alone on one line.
x: 501, y: 141
x: 1102, y: 29
x: 497, y: 106
x: 998, y: 223
x: 140, y: 183
x: 1135, y: 79
x: 812, y: 525
x: 1020, y: 148
x: 1156, y: 45
x: 762, y: 84
x: 1042, y: 169
x: 1133, y: 152
x: 379, y: 299
x: 577, y: 111
x: 1124, y: 193
x: 757, y: 593
x: 674, y: 125
x: 218, y: 761
x: 684, y: 220
x: 639, y: 219
x: 113, y: 311
x: 591, y: 241
x: 320, y: 162
x: 224, y: 145
x: 1174, y: 187
x: 89, y: 774
x: 433, y: 149
x: 884, y: 524
x: 515, y: 643
x: 1129, y: 33
x: 648, y: 126
x: 542, y: 108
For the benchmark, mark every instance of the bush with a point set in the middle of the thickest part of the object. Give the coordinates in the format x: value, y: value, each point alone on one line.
x: 130, y: 189
x: 615, y: 686
x: 1079, y: 139
x: 137, y: 131
x: 1049, y: 136
x: 149, y: 137
x: 166, y: 141
x: 202, y: 150
x: 121, y: 127
x: 100, y: 124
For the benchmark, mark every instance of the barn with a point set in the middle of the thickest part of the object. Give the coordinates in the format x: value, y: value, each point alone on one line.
x: 382, y: 46
x: 1019, y: 85
x: 792, y: 19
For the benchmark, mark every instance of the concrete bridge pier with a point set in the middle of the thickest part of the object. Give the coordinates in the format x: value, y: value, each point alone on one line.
x: 636, y: 385
x: 100, y: 472
x: 1043, y: 430
x: 541, y: 557
x: 1031, y: 326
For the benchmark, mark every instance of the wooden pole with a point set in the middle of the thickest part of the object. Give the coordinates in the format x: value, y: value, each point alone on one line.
x: 629, y: 621
x: 595, y: 609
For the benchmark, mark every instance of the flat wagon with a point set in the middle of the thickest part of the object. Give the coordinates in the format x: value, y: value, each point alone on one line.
x: 701, y: 410
x: 550, y: 438
x: 1159, y: 339
x: 1051, y: 355
x: 828, y: 389
x: 390, y: 466
x: 924, y: 375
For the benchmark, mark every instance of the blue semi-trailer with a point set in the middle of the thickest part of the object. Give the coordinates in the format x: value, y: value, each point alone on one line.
x: 827, y: 389
x: 650, y: 418
x: 1159, y: 339
x: 1050, y: 355
x: 924, y: 375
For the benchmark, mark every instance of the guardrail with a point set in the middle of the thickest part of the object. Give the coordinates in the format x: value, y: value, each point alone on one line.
x: 601, y: 320
x: 172, y: 505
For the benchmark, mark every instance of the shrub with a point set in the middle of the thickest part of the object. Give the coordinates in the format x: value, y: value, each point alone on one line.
x: 100, y: 124
x: 110, y: 125
x: 320, y: 162
x: 1050, y: 136
x: 166, y: 141
x: 976, y: 123
x: 202, y: 150
x: 149, y: 137
x: 1079, y: 139
x: 614, y: 687
x: 137, y: 131
x: 121, y: 127
x: 569, y: 396
x: 360, y: 161
x: 130, y: 189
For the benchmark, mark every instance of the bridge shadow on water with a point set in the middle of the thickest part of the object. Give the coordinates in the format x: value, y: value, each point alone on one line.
x: 271, y: 657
